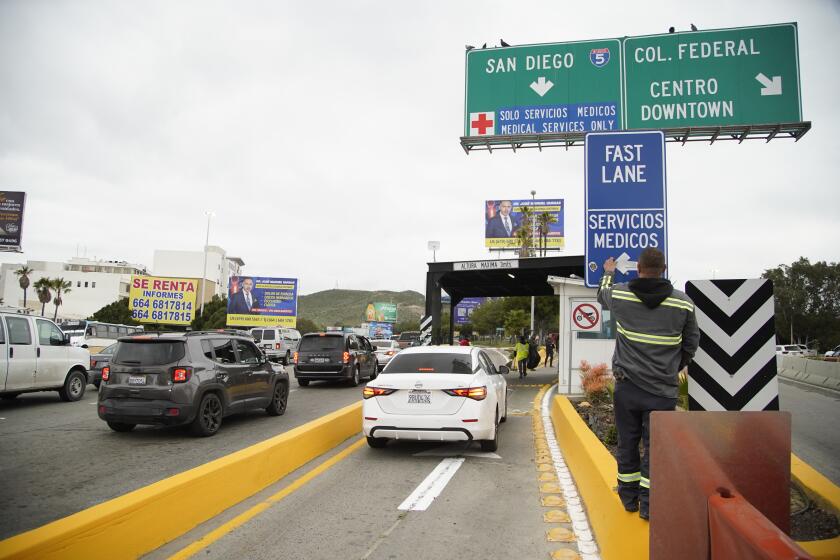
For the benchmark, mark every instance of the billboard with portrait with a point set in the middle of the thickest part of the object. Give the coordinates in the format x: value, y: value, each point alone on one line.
x: 465, y: 308
x: 380, y: 330
x: 503, y: 219
x: 11, y: 219
x: 259, y: 301
x: 381, y: 312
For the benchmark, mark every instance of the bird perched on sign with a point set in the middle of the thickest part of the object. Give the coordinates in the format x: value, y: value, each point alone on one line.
x: 671, y: 29
x: 469, y: 47
x: 503, y: 43
x: 693, y: 27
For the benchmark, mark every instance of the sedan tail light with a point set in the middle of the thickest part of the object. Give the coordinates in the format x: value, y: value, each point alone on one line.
x: 474, y: 393
x: 181, y: 374
x: 106, y: 373
x: 369, y: 392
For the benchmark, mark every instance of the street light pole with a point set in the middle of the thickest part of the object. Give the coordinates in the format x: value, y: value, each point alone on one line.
x: 533, y: 193
x: 209, y: 214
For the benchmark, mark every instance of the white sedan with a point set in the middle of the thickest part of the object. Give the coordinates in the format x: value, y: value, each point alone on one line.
x: 384, y: 350
x: 437, y: 393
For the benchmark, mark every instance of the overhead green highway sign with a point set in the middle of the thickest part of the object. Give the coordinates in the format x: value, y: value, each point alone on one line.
x: 748, y: 75
x: 544, y: 89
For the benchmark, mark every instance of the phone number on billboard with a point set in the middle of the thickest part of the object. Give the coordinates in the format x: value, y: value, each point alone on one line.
x: 162, y: 315
x: 162, y: 304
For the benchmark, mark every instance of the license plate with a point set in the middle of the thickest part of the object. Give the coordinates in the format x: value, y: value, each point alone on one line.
x: 137, y: 380
x: 319, y: 360
x: 419, y: 397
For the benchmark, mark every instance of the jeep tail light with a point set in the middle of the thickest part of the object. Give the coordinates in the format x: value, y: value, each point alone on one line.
x: 106, y: 373
x: 296, y: 357
x: 369, y: 392
x: 474, y: 393
x: 181, y: 374
x: 346, y: 357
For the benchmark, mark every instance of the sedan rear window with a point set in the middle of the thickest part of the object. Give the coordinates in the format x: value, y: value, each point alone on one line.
x: 148, y: 353
x: 430, y: 363
x: 381, y: 343
x: 321, y: 343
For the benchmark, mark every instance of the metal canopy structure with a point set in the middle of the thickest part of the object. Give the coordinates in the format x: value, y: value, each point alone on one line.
x: 493, y: 278
x: 710, y: 134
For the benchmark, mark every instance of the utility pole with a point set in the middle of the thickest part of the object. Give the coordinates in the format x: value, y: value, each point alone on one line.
x: 209, y: 214
x: 533, y: 193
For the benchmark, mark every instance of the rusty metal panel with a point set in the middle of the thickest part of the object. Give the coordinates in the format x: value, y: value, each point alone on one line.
x: 693, y: 455
x: 738, y: 530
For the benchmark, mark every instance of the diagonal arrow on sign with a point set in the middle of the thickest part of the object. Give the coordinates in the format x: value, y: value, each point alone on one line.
x: 541, y: 86
x: 771, y: 87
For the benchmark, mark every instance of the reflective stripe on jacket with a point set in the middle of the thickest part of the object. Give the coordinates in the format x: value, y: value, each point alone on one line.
x: 651, y: 344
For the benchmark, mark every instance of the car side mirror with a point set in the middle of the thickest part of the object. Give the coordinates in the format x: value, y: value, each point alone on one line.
x: 504, y: 370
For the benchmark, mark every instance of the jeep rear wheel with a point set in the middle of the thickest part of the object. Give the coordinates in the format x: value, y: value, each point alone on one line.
x: 74, y: 387
x: 208, y: 420
x: 279, y: 398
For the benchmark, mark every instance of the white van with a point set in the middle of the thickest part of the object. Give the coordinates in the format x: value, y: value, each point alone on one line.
x: 35, y: 355
x: 278, y: 343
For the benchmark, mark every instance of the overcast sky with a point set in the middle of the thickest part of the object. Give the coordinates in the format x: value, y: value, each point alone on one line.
x: 325, y: 136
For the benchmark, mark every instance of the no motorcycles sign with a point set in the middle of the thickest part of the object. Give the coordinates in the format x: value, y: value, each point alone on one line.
x: 586, y: 316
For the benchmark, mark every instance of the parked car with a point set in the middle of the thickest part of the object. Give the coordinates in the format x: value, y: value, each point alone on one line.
x: 97, y: 362
x: 385, y: 350
x: 807, y: 351
x: 437, y: 393
x: 195, y: 378
x: 39, y: 357
x: 334, y: 356
x: 788, y: 350
x: 278, y: 343
x: 833, y: 353
x: 408, y: 338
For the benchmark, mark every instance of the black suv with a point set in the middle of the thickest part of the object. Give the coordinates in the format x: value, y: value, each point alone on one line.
x: 334, y: 356
x: 194, y: 378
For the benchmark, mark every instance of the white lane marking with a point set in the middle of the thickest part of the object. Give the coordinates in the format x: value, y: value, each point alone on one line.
x: 586, y: 543
x: 456, y: 450
x: 432, y: 486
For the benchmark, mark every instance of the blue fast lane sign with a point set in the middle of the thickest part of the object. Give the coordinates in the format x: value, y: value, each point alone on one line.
x: 625, y: 201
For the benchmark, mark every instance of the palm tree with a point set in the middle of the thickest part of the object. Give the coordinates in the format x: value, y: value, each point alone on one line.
x: 59, y: 285
x: 544, y: 221
x: 42, y: 288
x: 525, y: 233
x: 23, y: 273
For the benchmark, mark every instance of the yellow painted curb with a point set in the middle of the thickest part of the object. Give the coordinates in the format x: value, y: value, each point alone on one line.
x: 545, y: 467
x: 547, y: 477
x: 143, y: 520
x: 550, y: 488
x: 560, y: 534
x: 622, y: 535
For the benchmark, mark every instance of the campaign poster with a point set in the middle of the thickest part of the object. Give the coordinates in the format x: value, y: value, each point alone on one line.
x: 381, y: 312
x: 259, y: 301
x: 11, y: 219
x: 465, y: 308
x: 162, y: 300
x: 380, y: 330
x: 503, y: 219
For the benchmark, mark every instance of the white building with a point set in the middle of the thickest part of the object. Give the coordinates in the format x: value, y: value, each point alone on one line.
x: 94, y: 284
x: 189, y: 264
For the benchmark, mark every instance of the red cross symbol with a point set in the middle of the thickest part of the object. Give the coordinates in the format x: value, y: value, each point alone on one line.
x: 482, y: 124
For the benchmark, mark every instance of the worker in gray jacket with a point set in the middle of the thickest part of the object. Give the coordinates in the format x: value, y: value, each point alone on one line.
x: 657, y: 336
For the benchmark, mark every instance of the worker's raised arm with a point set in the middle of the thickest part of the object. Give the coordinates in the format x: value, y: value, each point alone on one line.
x: 605, y: 287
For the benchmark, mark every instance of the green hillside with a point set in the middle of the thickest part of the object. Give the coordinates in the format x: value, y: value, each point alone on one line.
x: 347, y: 307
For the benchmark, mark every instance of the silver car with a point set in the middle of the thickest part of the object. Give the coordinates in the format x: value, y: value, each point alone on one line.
x: 385, y: 350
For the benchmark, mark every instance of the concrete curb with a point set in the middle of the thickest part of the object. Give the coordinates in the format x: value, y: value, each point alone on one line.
x: 819, y: 373
x: 623, y: 535
x: 147, y: 518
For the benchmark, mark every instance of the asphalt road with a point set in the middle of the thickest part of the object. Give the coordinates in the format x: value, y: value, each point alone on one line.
x: 59, y: 458
x: 490, y: 508
x: 815, y: 419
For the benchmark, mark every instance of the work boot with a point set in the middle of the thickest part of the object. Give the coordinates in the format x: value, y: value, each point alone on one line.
x: 644, y: 512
